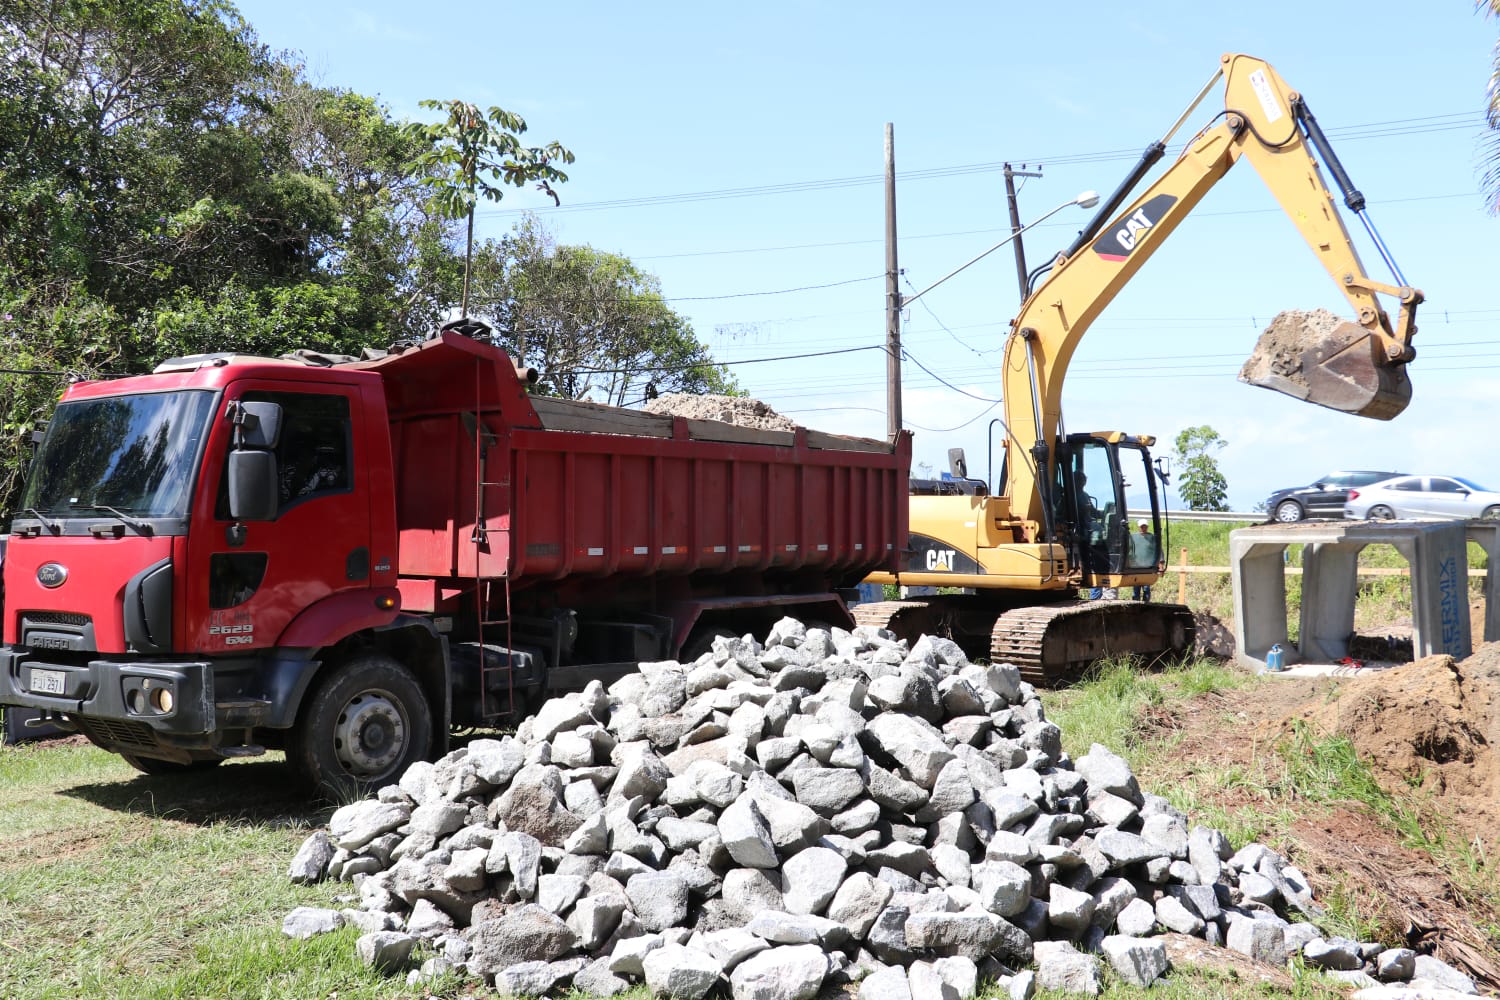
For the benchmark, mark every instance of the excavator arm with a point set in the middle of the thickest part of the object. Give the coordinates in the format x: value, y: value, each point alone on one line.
x: 1356, y: 367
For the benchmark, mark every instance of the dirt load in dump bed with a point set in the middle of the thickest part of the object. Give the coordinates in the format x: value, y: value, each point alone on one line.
x: 739, y: 410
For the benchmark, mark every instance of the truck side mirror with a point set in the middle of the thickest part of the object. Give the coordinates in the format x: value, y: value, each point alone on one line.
x: 253, y: 495
x: 957, y: 464
x: 259, y: 425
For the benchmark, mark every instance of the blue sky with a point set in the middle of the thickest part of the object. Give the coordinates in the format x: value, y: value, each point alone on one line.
x: 736, y: 151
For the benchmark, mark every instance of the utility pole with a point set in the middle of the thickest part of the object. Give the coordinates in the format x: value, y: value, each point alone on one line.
x: 892, y: 294
x: 1015, y: 220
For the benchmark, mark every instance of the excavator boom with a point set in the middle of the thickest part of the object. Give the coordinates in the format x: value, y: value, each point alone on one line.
x: 1353, y: 366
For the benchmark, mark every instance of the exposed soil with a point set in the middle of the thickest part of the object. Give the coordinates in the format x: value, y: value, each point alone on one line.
x: 1281, y: 345
x: 740, y: 410
x: 1427, y: 729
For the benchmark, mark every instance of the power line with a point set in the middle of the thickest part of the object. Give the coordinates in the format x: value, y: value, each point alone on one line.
x: 1371, y: 130
x: 782, y: 291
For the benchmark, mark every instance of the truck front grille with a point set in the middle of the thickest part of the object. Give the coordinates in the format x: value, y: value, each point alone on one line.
x: 116, y: 734
x: 69, y: 618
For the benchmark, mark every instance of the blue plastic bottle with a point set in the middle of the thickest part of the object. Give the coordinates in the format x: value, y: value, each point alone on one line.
x: 1275, y: 658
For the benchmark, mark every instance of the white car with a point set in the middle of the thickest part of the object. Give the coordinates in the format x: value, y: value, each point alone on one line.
x: 1429, y: 497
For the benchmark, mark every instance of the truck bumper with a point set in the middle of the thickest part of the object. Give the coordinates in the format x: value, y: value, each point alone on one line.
x: 154, y: 707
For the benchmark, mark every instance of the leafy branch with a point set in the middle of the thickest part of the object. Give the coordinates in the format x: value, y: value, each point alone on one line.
x: 471, y: 149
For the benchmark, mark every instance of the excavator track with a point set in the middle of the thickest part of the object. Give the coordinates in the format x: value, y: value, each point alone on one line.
x: 907, y: 619
x: 1055, y: 644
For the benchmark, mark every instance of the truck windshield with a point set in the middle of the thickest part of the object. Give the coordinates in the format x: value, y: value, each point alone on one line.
x: 135, y: 454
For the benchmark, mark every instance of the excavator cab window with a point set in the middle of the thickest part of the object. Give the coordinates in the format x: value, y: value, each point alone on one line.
x: 1091, y: 481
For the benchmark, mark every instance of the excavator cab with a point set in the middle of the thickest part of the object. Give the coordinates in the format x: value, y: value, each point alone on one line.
x: 1095, y: 475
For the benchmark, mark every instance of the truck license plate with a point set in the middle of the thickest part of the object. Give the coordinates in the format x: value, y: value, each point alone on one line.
x: 48, y: 681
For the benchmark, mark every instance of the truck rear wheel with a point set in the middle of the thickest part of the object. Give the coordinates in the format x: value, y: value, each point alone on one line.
x: 362, y: 728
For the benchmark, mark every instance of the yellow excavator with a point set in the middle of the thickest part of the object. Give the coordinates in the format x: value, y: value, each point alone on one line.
x: 1058, y: 522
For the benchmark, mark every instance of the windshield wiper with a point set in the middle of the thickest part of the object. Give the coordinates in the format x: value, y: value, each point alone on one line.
x: 142, y: 526
x: 51, y: 526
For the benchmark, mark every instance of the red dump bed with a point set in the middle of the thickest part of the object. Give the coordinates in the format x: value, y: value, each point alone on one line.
x: 569, y: 489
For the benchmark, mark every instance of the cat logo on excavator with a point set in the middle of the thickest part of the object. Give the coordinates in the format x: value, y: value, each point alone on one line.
x: 1128, y: 232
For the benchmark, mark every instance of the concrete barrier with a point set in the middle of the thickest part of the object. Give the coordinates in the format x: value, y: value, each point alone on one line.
x: 1435, y: 551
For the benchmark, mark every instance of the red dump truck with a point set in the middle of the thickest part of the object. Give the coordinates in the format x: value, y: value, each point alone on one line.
x: 345, y: 561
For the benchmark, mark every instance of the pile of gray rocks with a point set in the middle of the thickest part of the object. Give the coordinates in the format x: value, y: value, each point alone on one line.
x: 824, y: 808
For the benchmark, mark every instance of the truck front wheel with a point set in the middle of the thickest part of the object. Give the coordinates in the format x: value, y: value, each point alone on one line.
x: 364, y: 725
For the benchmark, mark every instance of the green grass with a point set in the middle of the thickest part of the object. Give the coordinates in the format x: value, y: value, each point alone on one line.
x: 1108, y: 706
x: 119, y: 885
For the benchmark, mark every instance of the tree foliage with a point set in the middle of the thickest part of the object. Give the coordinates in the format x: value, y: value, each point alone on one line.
x: 595, y: 325
x: 169, y: 186
x: 469, y: 146
x: 1199, y: 482
x: 1491, y: 165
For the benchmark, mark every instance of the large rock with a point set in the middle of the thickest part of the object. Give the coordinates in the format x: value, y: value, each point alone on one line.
x: 1137, y: 961
x: 858, y: 902
x: 890, y: 983
x: 915, y: 744
x: 1107, y: 771
x: 1061, y: 967
x: 812, y: 877
x: 794, y: 972
x: 747, y: 835
x: 355, y: 825
x: 311, y: 861
x: 660, y: 899
x: 1262, y: 940
x: 387, y: 951
x: 534, y: 804
x: 681, y: 973
x: 827, y: 790
x: 524, y: 934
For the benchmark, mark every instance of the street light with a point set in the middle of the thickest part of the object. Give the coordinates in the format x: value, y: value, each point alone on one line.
x: 1087, y: 199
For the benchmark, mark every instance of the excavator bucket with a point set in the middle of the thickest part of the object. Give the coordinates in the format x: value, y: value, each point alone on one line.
x: 1315, y: 356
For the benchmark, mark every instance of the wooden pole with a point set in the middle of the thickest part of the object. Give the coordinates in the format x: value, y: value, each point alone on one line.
x: 1182, y: 577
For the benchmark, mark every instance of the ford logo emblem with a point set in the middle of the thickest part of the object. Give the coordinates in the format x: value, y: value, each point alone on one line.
x: 52, y: 575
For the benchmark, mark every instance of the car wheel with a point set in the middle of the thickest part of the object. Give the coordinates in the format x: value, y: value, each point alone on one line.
x: 1491, y: 513
x: 1288, y: 511
x: 364, y: 726
x: 1380, y: 512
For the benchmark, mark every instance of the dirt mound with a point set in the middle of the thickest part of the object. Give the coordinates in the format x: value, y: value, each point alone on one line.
x: 1432, y: 724
x: 740, y: 410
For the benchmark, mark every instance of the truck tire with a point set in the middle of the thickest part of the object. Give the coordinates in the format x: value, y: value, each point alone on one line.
x: 361, y: 729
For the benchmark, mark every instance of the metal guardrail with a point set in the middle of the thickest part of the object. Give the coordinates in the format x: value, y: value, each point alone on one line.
x: 1251, y: 517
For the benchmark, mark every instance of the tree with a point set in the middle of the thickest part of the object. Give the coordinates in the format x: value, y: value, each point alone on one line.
x: 470, y: 145
x: 1491, y: 180
x: 1199, y: 482
x: 593, y: 323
